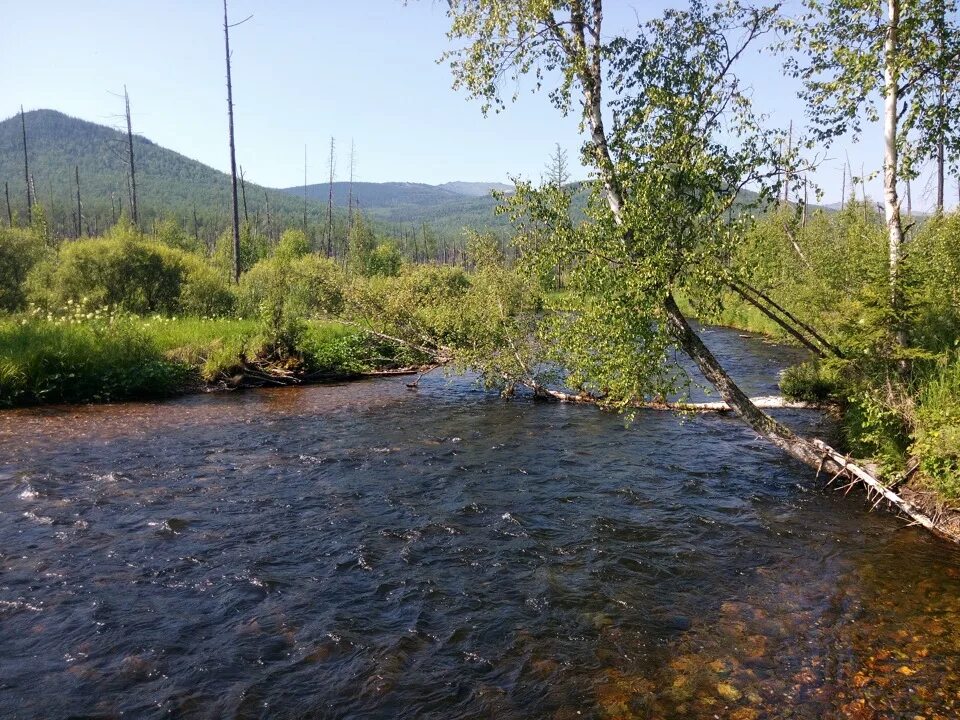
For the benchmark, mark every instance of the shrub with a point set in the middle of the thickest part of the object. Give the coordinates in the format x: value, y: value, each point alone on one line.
x: 311, y: 285
x: 811, y: 382
x: 20, y: 250
x: 253, y: 249
x: 122, y: 270
x: 204, y: 292
x: 932, y: 283
x: 937, y: 432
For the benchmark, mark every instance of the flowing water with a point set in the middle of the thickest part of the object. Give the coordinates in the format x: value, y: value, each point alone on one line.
x: 368, y: 551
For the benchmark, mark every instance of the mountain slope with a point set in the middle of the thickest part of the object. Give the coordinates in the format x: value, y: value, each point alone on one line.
x: 398, y: 203
x: 170, y: 184
x: 167, y: 182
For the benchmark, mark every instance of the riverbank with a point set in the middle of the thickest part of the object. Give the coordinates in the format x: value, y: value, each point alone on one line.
x: 94, y: 355
x: 907, y: 435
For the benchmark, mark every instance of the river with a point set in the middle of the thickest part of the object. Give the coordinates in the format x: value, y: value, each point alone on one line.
x: 368, y: 551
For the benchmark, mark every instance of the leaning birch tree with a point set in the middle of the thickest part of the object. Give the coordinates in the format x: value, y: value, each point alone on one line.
x: 672, y: 141
x: 681, y: 144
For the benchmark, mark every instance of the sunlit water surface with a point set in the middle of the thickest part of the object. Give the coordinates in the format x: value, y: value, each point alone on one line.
x: 368, y: 551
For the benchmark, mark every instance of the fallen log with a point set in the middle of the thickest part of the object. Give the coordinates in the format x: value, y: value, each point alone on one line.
x: 876, y: 489
x: 832, y: 459
x: 764, y: 402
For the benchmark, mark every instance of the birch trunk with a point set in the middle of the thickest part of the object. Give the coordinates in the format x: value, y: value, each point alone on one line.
x: 686, y: 338
x: 891, y: 82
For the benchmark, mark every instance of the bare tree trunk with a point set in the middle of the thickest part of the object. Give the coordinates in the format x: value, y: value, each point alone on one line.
x: 777, y: 433
x: 243, y: 193
x: 304, y: 189
x: 26, y: 167
x: 6, y: 191
x: 786, y: 326
x: 350, y: 193
x: 79, y: 204
x: 196, y: 224
x: 266, y: 200
x: 133, y: 172
x: 891, y: 81
x: 843, y: 190
x: 233, y: 151
x: 330, y: 206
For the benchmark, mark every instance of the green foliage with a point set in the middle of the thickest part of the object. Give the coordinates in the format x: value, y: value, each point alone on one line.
x: 253, y: 249
x: 660, y: 220
x: 169, y: 232
x: 385, y: 260
x: 19, y: 252
x: 932, y: 283
x: 82, y: 355
x: 842, y: 53
x: 809, y: 269
x: 310, y: 285
x: 812, y: 381
x: 369, y: 257
x: 937, y: 433
x: 480, y: 321
x: 876, y: 424
x: 123, y: 270
x: 293, y: 243
x: 340, y: 350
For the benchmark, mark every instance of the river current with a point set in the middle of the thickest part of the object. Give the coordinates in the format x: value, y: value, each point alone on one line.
x: 368, y: 551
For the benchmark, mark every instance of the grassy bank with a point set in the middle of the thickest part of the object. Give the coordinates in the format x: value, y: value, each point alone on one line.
x: 901, y: 405
x: 87, y: 355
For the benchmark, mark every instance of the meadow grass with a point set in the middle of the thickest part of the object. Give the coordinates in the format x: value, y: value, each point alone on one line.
x: 82, y: 355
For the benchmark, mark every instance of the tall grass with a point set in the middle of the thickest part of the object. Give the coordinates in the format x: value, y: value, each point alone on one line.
x: 86, y: 355
x: 937, y: 429
x: 98, y: 359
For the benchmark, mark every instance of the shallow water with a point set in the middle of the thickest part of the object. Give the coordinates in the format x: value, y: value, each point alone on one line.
x: 364, y: 550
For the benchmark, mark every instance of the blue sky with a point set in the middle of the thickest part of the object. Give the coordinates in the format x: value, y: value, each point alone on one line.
x: 305, y: 71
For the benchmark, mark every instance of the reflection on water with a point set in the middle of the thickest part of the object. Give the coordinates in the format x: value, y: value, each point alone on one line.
x: 367, y: 551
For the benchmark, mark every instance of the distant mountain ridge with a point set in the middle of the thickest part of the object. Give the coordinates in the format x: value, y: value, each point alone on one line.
x: 169, y: 183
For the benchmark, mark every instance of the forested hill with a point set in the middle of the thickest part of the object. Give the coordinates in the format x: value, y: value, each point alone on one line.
x: 170, y: 184
x: 445, y: 207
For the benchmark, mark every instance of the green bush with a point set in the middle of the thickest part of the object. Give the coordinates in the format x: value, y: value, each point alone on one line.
x: 20, y: 250
x: 937, y: 433
x: 253, y: 249
x: 932, y: 283
x: 310, y: 285
x: 123, y: 270
x: 203, y: 291
x: 811, y: 382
